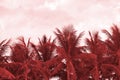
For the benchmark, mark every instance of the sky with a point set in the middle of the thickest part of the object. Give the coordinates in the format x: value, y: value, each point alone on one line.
x: 34, y: 18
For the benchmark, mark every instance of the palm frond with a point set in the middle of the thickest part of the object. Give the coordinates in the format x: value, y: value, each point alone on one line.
x: 46, y: 47
x: 92, y: 42
x: 5, y: 74
x: 19, y: 50
x: 67, y: 38
x: 113, y: 40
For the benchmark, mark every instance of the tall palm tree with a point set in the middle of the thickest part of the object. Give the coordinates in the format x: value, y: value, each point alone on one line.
x: 113, y: 44
x: 68, y: 48
x: 45, y: 52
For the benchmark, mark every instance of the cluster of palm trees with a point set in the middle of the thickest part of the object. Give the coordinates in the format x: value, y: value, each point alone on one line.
x: 63, y: 57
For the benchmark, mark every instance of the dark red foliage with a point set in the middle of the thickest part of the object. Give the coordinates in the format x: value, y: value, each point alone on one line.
x: 46, y: 47
x: 63, y: 57
x: 19, y: 53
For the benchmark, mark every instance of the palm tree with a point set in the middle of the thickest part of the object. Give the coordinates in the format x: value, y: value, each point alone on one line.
x: 68, y: 49
x: 44, y: 51
x: 98, y: 47
x: 113, y: 41
x: 113, y: 44
x: 23, y: 59
x: 46, y: 47
x: 19, y: 51
x: 95, y: 45
x: 105, y: 51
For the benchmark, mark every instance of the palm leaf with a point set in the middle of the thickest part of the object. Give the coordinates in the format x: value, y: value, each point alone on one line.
x: 46, y: 47
x: 113, y: 40
x: 68, y: 39
x: 5, y: 74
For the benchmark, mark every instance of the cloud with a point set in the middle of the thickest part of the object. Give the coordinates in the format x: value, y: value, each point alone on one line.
x: 43, y: 16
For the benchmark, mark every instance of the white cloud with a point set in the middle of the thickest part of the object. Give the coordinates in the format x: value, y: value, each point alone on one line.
x: 42, y: 16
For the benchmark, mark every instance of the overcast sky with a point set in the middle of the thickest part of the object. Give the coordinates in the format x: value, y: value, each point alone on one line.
x: 37, y: 17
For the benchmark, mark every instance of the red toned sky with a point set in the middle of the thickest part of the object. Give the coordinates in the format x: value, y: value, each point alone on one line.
x: 38, y: 17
